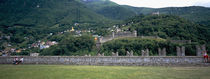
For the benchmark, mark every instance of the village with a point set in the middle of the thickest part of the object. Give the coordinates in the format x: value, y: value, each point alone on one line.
x: 44, y: 44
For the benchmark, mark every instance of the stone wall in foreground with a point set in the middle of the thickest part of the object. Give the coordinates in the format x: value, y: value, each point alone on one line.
x: 108, y: 60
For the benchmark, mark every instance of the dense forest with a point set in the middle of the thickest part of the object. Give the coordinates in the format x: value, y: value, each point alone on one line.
x: 168, y: 27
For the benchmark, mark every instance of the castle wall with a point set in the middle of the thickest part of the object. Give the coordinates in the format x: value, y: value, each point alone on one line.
x: 117, y: 35
x: 108, y: 60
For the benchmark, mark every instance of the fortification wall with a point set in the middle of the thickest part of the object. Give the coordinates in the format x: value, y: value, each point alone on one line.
x: 124, y: 34
x: 108, y: 60
x: 117, y: 35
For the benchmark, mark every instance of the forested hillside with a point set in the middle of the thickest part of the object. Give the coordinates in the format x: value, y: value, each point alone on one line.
x: 112, y: 10
x: 45, y: 13
x: 27, y: 21
x: 109, y: 9
x: 167, y: 27
x: 196, y: 14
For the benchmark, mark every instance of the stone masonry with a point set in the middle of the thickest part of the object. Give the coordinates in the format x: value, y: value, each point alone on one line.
x: 180, y: 51
x: 162, y: 52
x: 200, y: 49
x: 109, y: 60
x: 145, y: 52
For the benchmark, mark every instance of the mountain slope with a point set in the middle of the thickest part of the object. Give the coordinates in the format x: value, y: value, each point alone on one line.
x: 121, y: 12
x: 116, y: 12
x: 26, y: 21
x: 98, y: 4
x: 109, y: 9
x: 193, y: 13
x: 45, y: 12
x: 168, y: 27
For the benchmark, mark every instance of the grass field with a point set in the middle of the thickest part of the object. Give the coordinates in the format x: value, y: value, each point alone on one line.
x: 101, y: 72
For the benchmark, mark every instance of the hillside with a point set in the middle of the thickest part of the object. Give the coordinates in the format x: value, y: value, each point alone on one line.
x: 121, y: 12
x: 196, y: 14
x: 109, y: 9
x: 46, y: 16
x: 27, y: 21
x: 193, y: 13
x: 45, y: 13
x: 97, y: 4
x: 168, y: 27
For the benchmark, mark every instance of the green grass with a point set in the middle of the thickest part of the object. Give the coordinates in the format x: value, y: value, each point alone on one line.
x: 101, y: 72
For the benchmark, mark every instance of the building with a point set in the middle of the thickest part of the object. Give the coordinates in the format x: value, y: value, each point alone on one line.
x: 72, y: 29
x: 34, y: 54
x: 18, y: 51
x: 156, y: 13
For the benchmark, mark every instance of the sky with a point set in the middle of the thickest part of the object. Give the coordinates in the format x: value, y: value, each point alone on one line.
x: 163, y: 3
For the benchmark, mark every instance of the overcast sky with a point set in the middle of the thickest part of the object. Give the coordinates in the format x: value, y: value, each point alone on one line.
x: 163, y: 3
